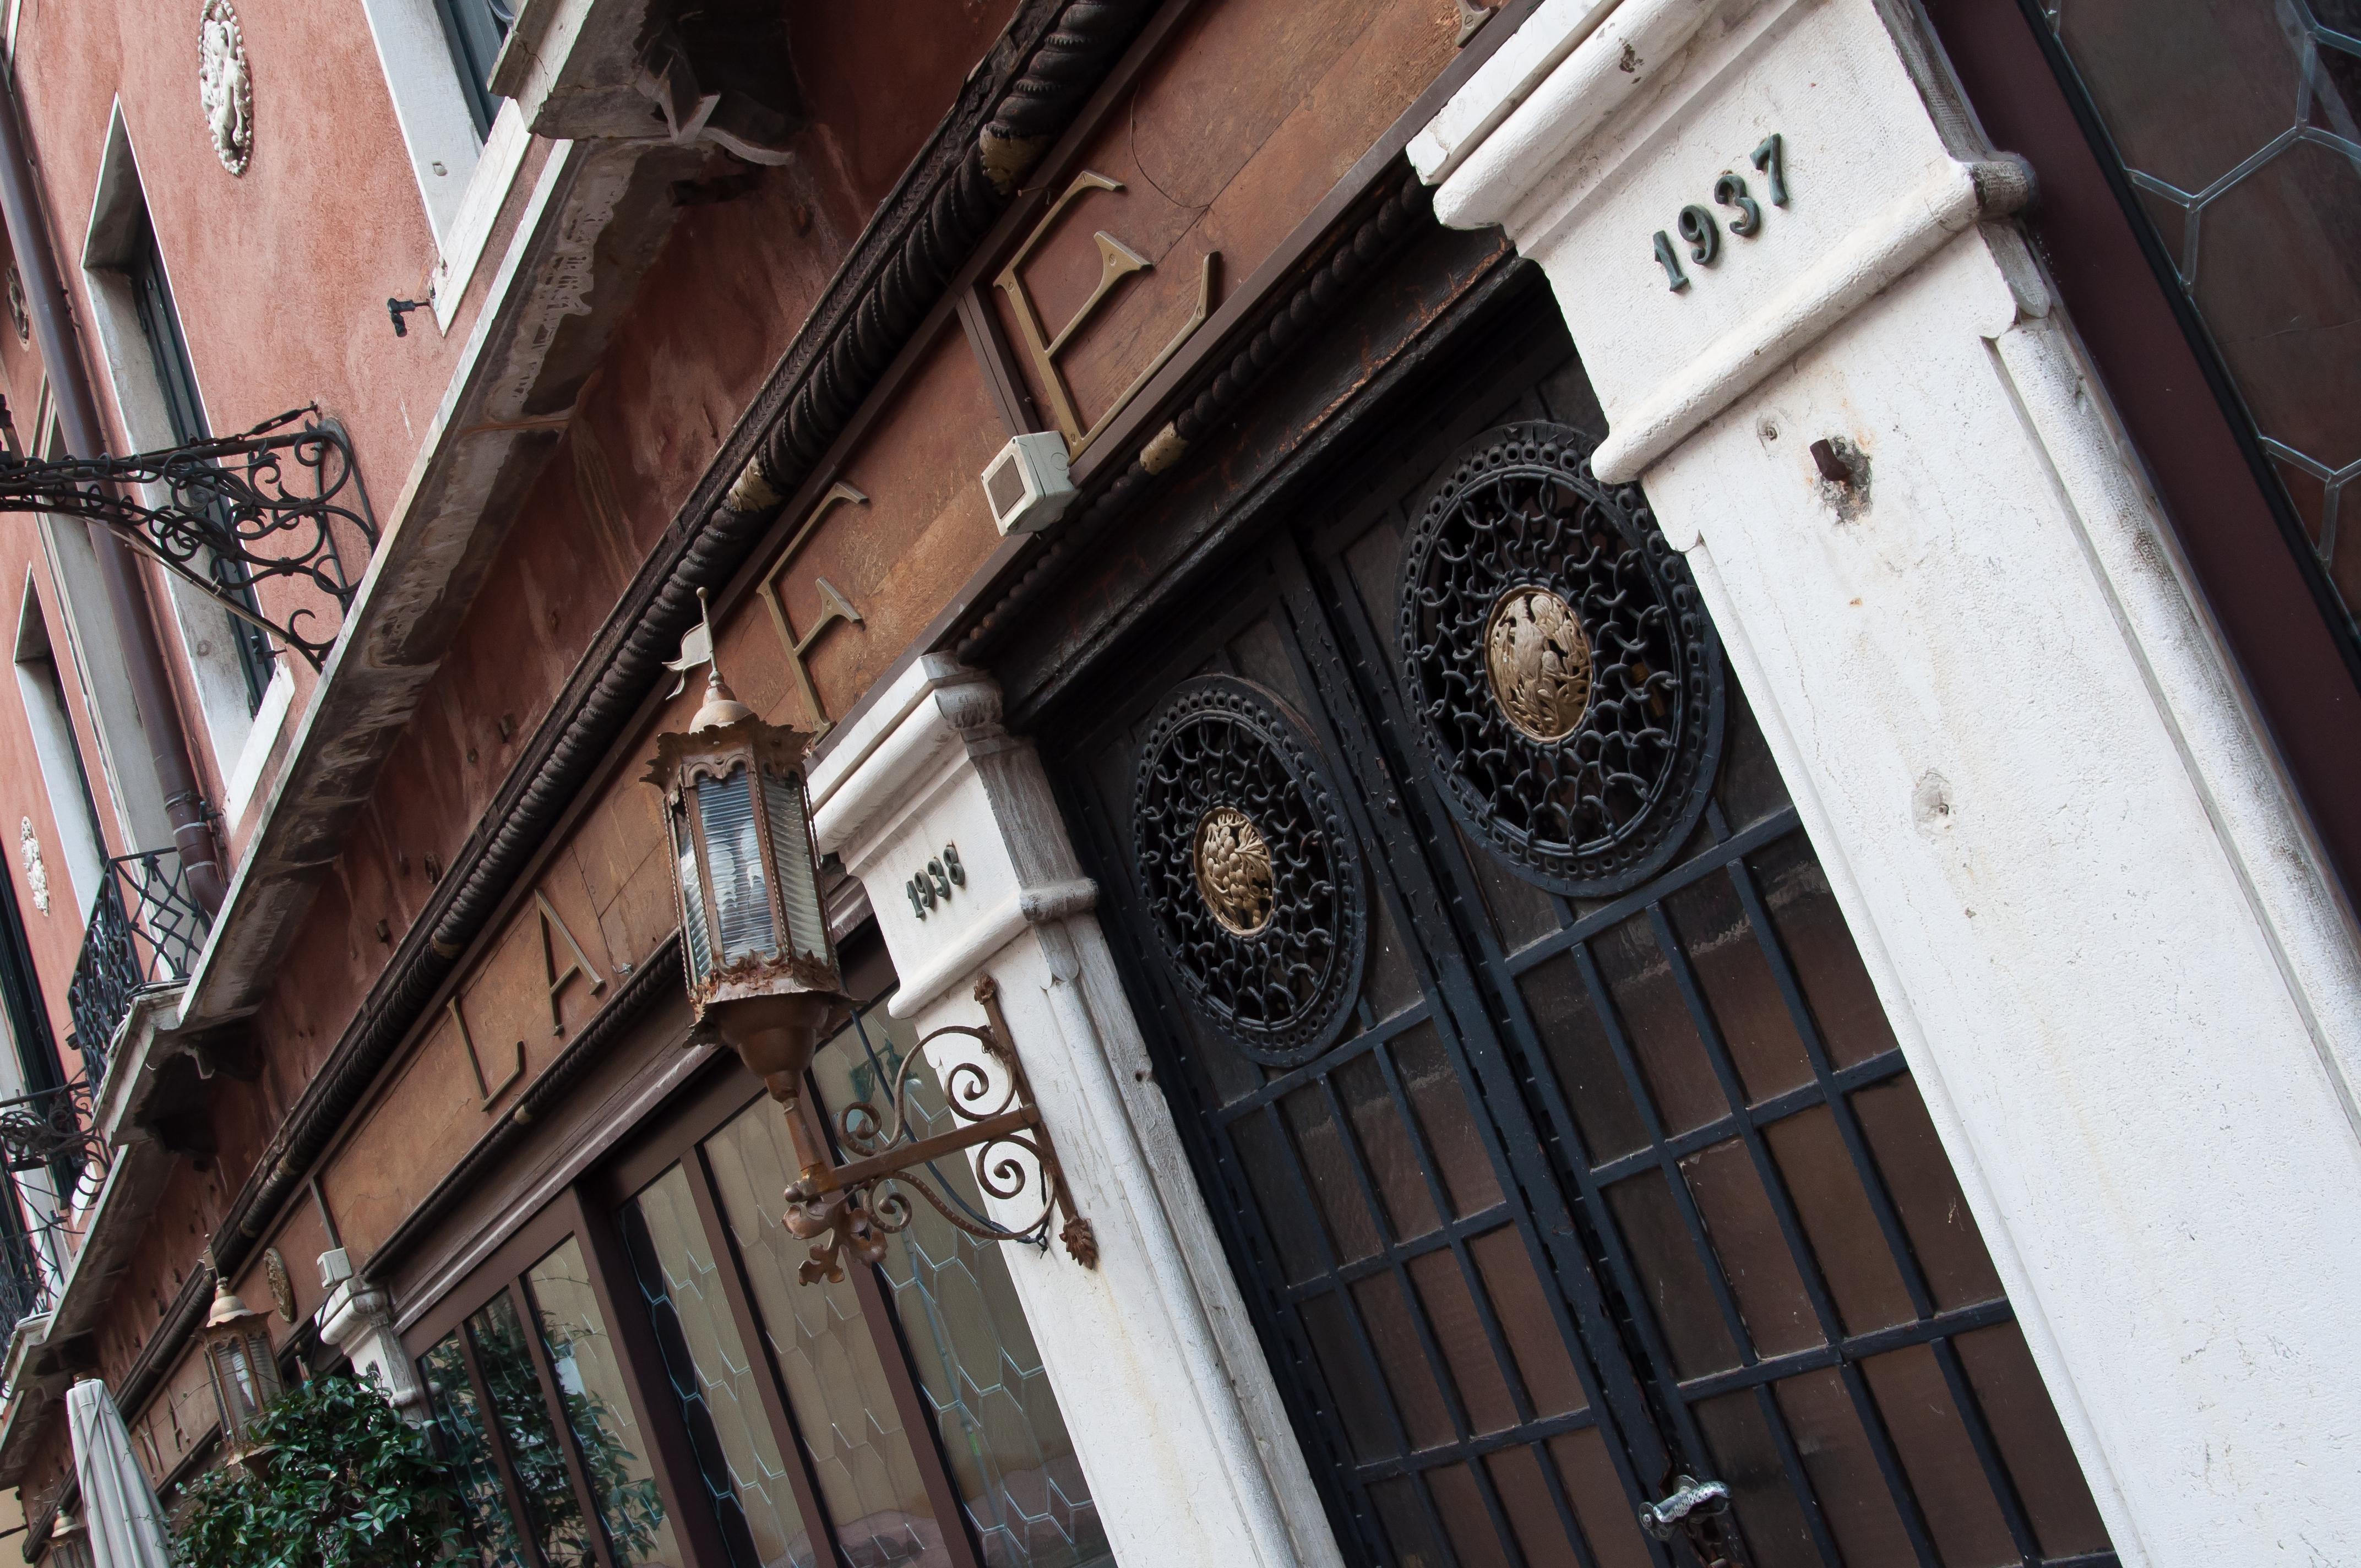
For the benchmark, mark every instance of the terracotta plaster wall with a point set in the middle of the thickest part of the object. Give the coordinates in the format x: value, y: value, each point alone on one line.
x: 1228, y: 140
x: 281, y: 275
x: 923, y: 530
x: 728, y: 290
x: 1265, y: 139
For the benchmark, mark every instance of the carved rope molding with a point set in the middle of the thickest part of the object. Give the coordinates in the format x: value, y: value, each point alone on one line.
x: 944, y: 208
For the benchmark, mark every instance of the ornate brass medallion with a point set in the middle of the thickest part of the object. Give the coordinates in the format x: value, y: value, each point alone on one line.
x: 1234, y: 869
x: 1538, y: 661
x: 1563, y: 679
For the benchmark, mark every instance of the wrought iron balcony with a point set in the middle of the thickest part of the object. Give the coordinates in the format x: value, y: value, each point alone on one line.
x: 25, y: 1284
x: 230, y: 516
x: 145, y: 933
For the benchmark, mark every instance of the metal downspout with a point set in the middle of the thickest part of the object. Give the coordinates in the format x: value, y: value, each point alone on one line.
x: 127, y: 592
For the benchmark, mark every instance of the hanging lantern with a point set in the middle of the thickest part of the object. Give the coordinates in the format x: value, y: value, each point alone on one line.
x: 244, y: 1368
x: 763, y: 974
x: 762, y: 970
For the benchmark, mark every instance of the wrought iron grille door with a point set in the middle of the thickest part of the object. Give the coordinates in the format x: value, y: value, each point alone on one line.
x: 1607, y: 1227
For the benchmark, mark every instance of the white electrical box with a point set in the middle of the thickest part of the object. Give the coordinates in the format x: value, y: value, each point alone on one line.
x: 1028, y: 485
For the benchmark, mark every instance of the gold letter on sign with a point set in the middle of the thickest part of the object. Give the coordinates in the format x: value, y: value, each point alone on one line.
x: 1116, y: 262
x: 581, y: 964
x: 838, y: 608
x: 490, y: 1092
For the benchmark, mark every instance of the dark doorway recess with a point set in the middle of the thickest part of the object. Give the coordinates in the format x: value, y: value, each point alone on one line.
x: 2205, y: 286
x: 1586, y: 1177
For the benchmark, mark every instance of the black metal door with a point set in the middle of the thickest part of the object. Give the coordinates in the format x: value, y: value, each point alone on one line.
x: 1560, y: 1142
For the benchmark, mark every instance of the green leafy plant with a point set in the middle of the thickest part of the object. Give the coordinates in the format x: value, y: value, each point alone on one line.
x: 345, y: 1484
x: 630, y: 1509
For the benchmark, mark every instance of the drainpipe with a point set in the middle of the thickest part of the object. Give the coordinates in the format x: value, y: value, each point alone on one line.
x: 127, y: 593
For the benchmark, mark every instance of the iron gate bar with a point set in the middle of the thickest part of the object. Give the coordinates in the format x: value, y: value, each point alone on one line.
x: 228, y: 497
x: 1875, y: 1342
x: 1681, y: 874
x: 1576, y: 935
x: 1441, y: 1456
x: 1791, y: 1230
x: 1439, y: 1365
x: 1283, y: 1081
x: 1374, y: 1368
x: 1644, y: 1322
x: 1483, y: 1222
x: 1383, y: 699
x: 1268, y: 1100
x: 1484, y: 1074
x: 1837, y: 1093
x: 1829, y: 1085
x: 1882, y: 1067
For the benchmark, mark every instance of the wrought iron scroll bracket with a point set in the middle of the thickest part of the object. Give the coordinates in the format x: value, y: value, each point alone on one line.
x: 48, y: 1124
x: 236, y: 515
x: 849, y: 1210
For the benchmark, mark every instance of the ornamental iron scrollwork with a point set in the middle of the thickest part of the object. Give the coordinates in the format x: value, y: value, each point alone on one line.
x: 1248, y: 869
x: 1564, y: 681
x: 48, y: 1125
x: 235, y: 515
x: 849, y: 1209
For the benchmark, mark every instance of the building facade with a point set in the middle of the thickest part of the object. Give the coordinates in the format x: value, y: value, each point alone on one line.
x: 1622, y: 731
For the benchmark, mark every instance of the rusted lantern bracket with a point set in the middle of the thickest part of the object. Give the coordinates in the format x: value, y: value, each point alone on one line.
x: 850, y: 1209
x: 233, y: 513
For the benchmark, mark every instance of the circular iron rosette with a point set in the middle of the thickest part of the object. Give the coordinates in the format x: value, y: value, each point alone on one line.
x: 1248, y: 871
x: 1564, y: 681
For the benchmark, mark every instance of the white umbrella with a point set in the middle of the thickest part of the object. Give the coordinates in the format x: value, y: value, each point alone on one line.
x: 126, y: 1527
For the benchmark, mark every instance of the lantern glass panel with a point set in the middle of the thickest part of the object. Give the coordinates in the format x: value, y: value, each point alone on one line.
x: 733, y: 857
x: 798, y: 884
x: 235, y: 1377
x: 692, y: 896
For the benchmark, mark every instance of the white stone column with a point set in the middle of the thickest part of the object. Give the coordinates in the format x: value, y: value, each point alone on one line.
x: 2126, y: 988
x: 1161, y: 1381
x: 358, y: 1319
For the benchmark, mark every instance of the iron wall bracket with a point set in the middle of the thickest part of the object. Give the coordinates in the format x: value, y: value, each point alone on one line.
x: 235, y: 514
x: 850, y: 1209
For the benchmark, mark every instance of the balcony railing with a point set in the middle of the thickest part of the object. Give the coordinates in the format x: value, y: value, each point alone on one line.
x: 25, y: 1284
x: 145, y: 933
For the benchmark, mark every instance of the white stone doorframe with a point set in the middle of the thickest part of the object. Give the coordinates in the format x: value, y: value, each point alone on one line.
x: 2126, y: 985
x: 1163, y: 1383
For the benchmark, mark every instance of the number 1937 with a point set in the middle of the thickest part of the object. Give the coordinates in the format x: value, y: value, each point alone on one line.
x: 1698, y: 227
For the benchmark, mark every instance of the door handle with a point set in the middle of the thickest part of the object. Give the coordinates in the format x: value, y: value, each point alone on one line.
x: 1670, y: 1514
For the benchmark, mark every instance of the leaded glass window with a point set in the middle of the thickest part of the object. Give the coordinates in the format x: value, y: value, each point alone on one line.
x: 899, y: 1416
x: 2238, y: 130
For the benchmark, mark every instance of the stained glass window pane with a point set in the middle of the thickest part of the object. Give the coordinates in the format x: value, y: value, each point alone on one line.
x: 461, y: 1439
x: 970, y: 1343
x: 733, y: 856
x: 706, y: 1362
x: 535, y: 1455
x: 869, y: 1476
x: 612, y: 1448
x: 2239, y: 129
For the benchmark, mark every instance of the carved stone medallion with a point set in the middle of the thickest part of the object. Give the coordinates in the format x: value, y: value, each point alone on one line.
x: 1538, y: 660
x: 37, y: 872
x: 282, y: 1289
x: 224, y: 88
x: 1234, y: 869
x: 1247, y: 870
x: 1562, y: 677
